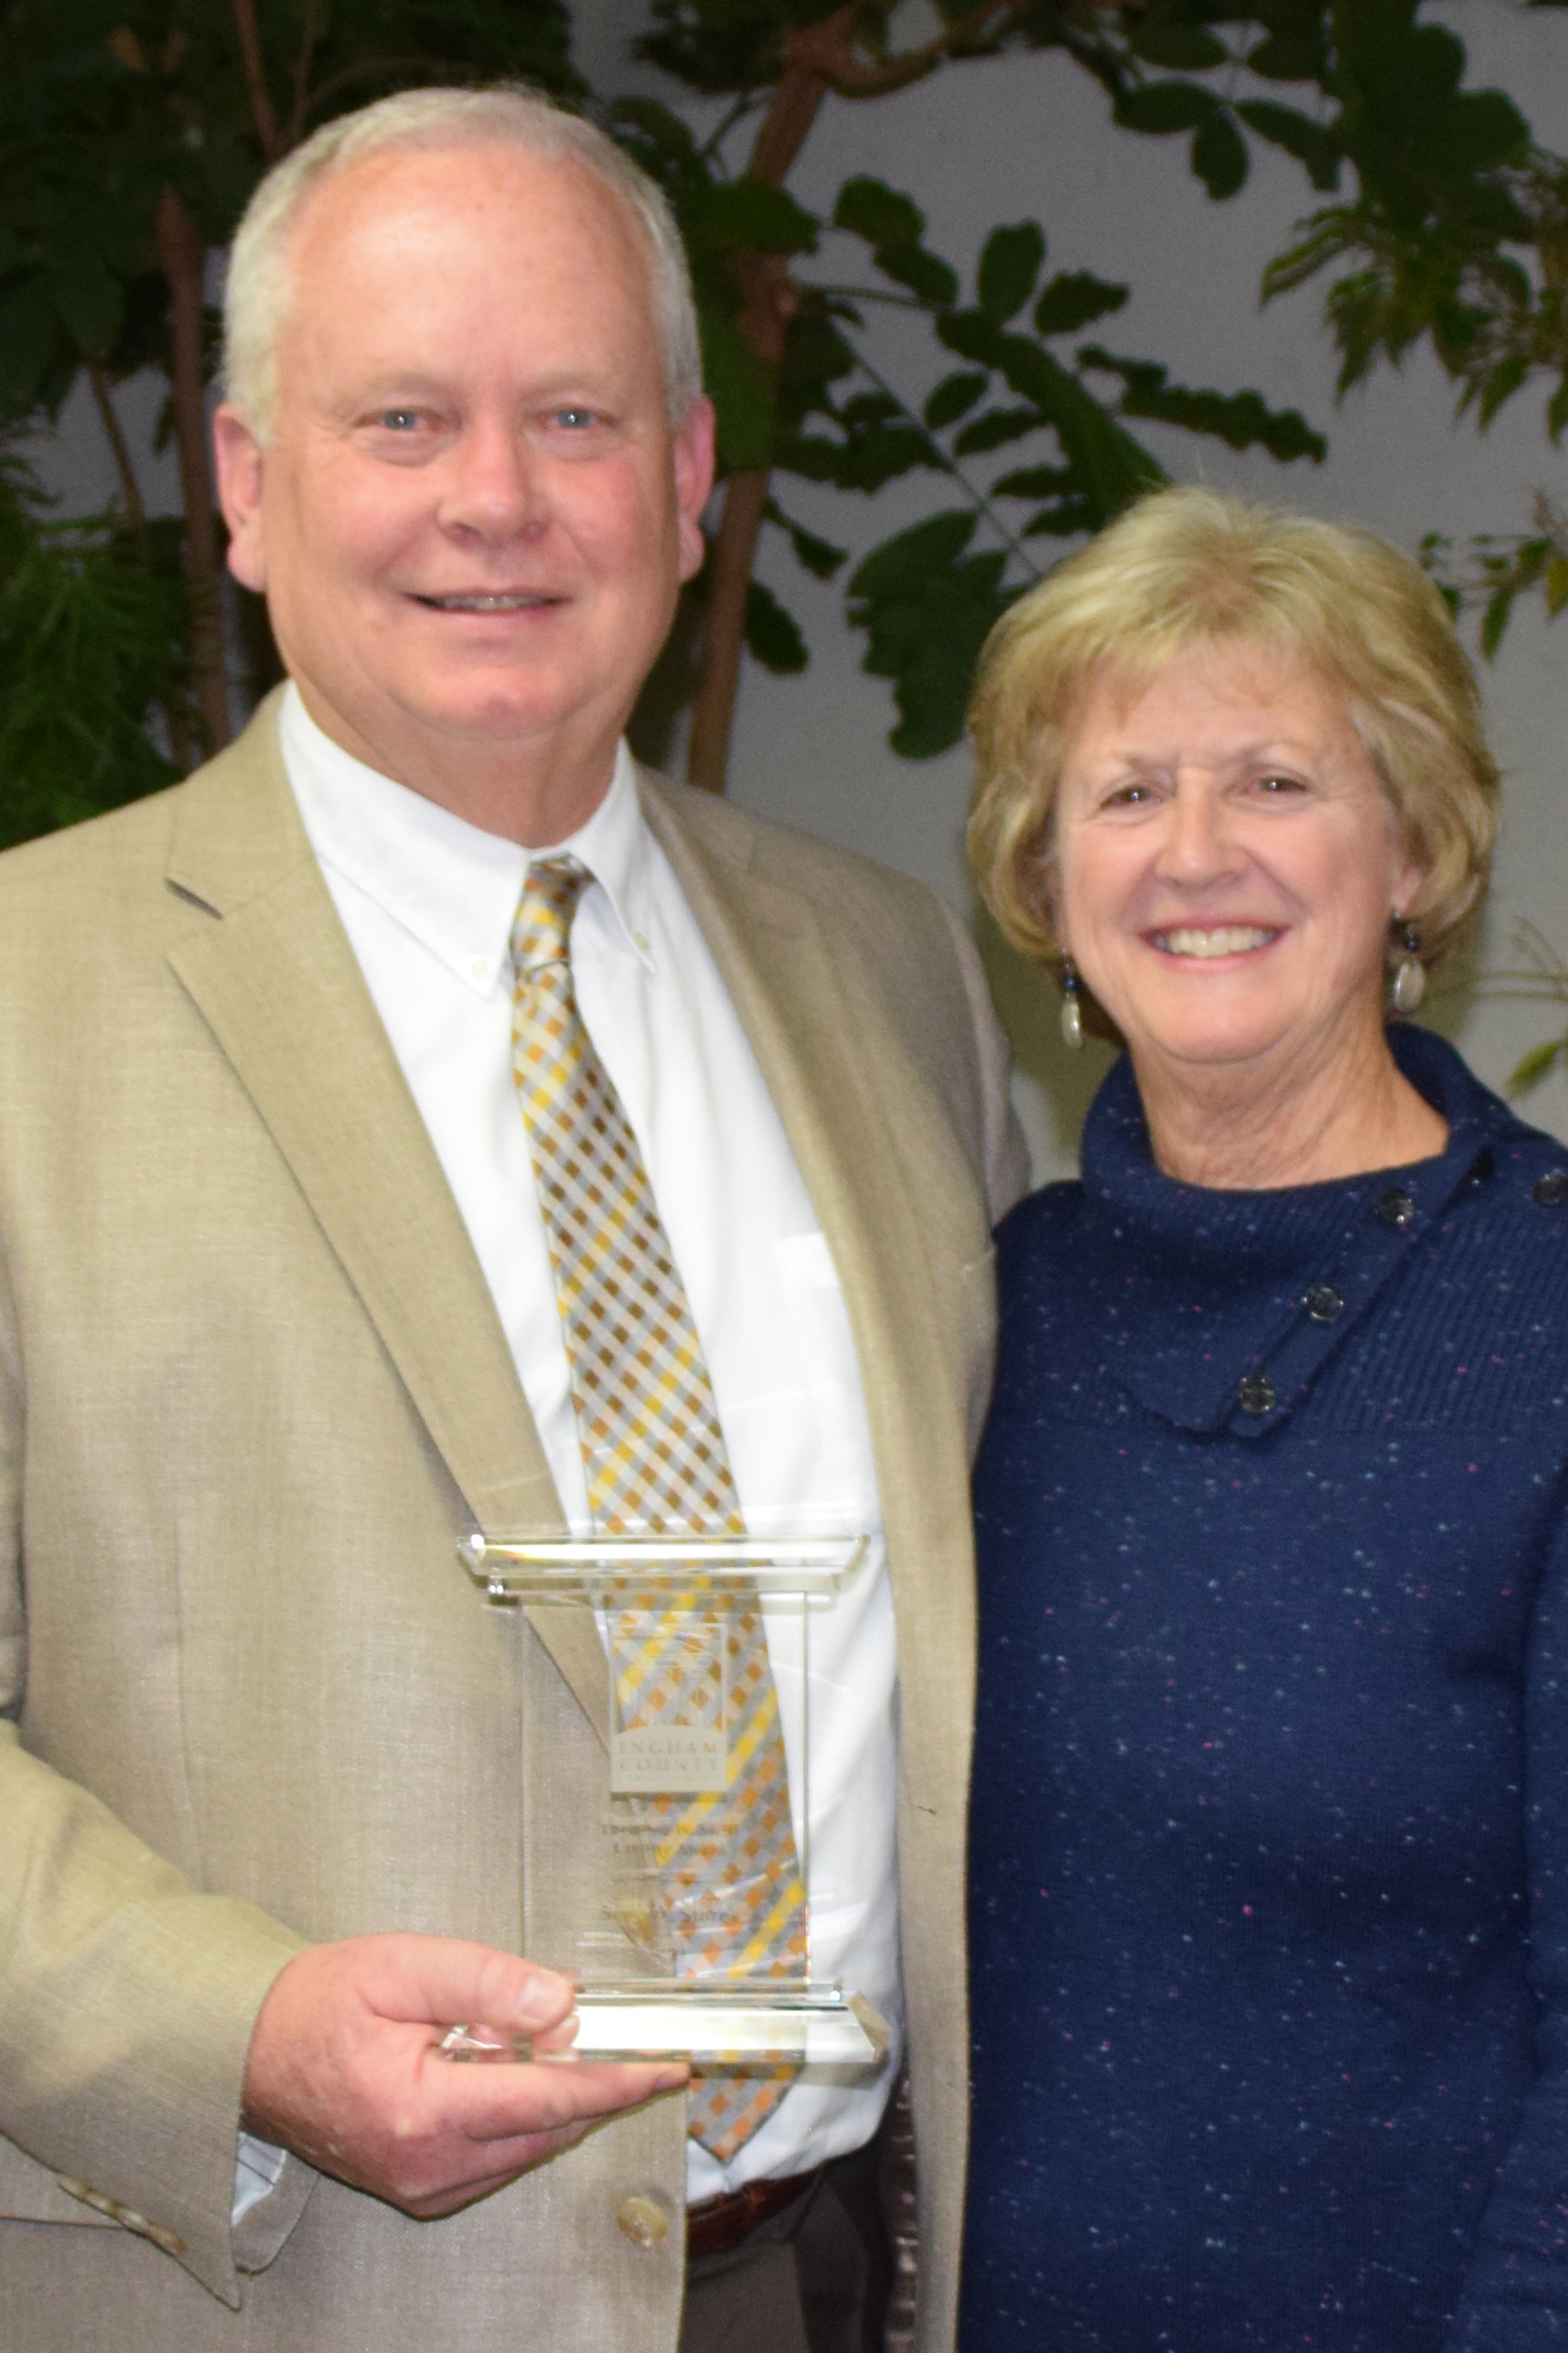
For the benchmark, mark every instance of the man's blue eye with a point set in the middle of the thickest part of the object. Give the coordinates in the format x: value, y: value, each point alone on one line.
x: 399, y: 420
x: 574, y: 417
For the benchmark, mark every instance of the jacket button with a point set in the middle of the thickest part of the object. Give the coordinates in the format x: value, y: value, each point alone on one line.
x: 1395, y: 1207
x: 643, y: 2220
x: 1552, y: 1190
x: 1322, y: 1302
x: 1256, y: 1394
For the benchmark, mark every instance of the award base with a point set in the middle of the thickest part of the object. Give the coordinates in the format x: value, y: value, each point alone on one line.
x: 763, y: 2023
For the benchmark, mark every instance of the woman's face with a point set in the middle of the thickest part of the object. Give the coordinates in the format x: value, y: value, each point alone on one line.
x: 1224, y: 862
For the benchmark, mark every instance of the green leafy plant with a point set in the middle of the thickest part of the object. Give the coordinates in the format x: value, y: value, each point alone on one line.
x: 1541, y: 977
x: 92, y: 671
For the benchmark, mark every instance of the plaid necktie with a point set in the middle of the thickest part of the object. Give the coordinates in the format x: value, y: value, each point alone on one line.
x: 654, y: 1454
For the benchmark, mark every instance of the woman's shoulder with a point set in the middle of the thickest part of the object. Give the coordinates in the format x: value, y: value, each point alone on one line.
x: 1030, y: 1239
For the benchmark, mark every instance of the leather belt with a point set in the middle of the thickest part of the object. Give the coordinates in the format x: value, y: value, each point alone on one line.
x: 719, y: 2224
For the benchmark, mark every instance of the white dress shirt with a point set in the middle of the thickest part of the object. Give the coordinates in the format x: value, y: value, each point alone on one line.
x: 428, y: 903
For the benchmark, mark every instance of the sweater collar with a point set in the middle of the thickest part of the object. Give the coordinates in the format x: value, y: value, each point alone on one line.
x: 1218, y: 1307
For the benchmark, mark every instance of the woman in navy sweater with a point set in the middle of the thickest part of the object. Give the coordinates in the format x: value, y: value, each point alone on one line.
x: 1269, y: 1824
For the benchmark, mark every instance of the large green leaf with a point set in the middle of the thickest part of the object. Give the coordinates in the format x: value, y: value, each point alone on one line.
x: 1010, y: 262
x: 742, y: 392
x: 30, y: 337
x: 994, y: 429
x: 1074, y: 300
x: 955, y: 396
x: 1242, y: 420
x: 1164, y: 106
x: 927, y: 606
x: 1219, y: 155
x: 740, y: 214
x: 1298, y: 135
x: 772, y: 635
x: 902, y: 563
x: 893, y: 225
x: 1185, y: 49
x: 869, y: 209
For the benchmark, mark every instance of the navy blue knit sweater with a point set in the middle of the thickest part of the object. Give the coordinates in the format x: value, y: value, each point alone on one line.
x: 1270, y: 1826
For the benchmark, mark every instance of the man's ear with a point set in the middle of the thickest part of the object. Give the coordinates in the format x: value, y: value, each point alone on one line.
x: 693, y: 479
x: 241, y: 461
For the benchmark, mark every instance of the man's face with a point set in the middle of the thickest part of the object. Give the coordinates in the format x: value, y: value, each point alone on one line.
x: 474, y: 517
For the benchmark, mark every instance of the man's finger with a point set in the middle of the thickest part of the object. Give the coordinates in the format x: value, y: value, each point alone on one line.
x: 445, y: 1981
x: 500, y: 2103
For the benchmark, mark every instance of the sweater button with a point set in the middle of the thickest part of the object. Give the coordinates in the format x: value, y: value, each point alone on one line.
x: 1552, y: 1190
x: 1396, y: 1209
x: 1256, y: 1394
x: 1322, y: 1302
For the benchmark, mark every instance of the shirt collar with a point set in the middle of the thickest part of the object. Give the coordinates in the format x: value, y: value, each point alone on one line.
x: 451, y: 885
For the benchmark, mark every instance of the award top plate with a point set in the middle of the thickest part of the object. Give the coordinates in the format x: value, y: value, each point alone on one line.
x: 596, y: 1569
x: 770, y: 2020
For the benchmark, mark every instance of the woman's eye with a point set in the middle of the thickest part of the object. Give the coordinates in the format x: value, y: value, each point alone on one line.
x: 1280, y: 784
x: 1128, y: 796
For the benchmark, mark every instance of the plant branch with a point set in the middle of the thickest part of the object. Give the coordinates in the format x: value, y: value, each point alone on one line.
x: 310, y: 33
x: 263, y: 115
x: 742, y: 107
x: 730, y: 559
x: 770, y: 301
x: 850, y: 79
x: 950, y: 467
x: 130, y: 489
x: 182, y: 256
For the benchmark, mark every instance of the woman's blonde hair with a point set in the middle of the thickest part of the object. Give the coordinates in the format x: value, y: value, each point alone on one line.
x: 1185, y: 568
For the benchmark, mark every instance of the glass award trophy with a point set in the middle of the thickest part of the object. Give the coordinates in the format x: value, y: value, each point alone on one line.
x: 634, y: 1945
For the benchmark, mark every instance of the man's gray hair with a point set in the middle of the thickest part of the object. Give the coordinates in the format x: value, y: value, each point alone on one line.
x: 260, y: 287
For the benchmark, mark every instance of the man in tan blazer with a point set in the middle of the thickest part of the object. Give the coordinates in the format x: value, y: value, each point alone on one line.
x: 268, y: 1765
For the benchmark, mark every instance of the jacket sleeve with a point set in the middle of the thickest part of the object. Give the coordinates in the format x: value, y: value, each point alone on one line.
x: 127, y: 1996
x: 1006, y: 1153
x: 1516, y: 2294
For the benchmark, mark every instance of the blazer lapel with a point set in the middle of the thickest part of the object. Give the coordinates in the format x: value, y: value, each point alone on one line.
x: 278, y: 985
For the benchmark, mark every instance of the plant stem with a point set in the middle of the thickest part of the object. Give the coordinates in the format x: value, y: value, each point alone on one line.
x: 130, y: 489
x: 792, y: 109
x: 183, y: 257
x: 730, y: 560
x: 310, y: 33
x: 818, y: 57
x: 268, y: 136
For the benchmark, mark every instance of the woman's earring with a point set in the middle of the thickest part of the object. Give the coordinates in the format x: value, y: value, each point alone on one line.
x: 1072, y: 1018
x: 1410, y: 979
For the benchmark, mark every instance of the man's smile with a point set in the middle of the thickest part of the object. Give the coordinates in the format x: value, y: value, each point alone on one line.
x: 503, y: 600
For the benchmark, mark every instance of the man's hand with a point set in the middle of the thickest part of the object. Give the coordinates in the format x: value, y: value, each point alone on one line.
x: 344, y: 2070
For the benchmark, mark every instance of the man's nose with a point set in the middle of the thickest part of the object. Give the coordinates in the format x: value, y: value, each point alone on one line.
x: 494, y: 488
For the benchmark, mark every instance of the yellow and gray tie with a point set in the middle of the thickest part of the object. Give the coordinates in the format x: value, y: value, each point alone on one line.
x: 656, y: 1462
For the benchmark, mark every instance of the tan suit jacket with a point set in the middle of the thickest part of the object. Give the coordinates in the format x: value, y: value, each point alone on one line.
x: 253, y: 1391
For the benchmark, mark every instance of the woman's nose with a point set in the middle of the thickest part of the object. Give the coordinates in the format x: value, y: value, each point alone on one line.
x: 1198, y: 844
